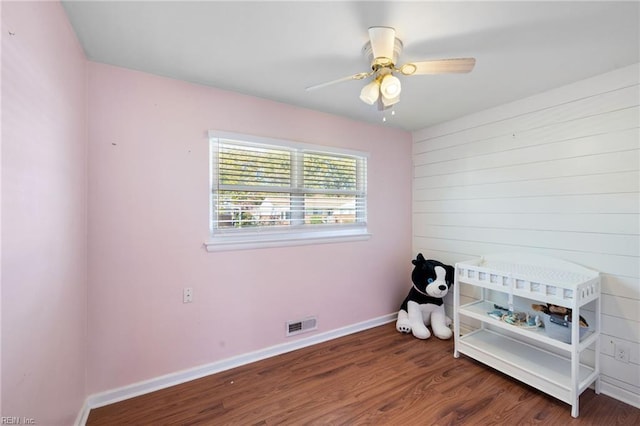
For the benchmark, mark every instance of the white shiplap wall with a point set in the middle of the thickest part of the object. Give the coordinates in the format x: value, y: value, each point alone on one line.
x: 555, y: 174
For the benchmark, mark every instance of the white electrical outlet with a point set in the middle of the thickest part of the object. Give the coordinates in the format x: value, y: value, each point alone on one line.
x: 621, y: 353
x: 187, y: 295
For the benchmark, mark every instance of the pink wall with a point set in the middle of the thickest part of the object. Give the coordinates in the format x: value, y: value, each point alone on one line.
x: 148, y: 218
x: 44, y: 230
x: 147, y: 176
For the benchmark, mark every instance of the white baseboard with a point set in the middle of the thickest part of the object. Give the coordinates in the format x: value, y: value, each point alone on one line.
x: 620, y: 394
x: 83, y: 415
x: 172, y: 379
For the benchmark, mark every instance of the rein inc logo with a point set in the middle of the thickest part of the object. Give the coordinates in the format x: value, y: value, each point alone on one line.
x: 15, y: 420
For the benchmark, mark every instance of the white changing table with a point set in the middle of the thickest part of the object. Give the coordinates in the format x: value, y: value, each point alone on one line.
x: 531, y: 356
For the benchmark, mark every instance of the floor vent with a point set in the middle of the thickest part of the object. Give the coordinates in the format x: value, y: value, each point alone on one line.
x: 301, y: 326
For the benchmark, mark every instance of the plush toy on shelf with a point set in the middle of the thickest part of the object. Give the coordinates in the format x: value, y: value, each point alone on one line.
x: 559, y: 314
x: 424, y: 305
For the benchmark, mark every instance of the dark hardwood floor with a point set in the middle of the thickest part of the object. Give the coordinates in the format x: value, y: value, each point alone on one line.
x: 375, y: 377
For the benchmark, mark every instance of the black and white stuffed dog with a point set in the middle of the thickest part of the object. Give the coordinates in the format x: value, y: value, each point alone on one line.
x: 425, y: 305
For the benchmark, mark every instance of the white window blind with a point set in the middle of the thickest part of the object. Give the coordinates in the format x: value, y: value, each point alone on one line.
x: 263, y: 188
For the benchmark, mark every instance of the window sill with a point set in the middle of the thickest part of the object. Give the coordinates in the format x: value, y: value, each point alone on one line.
x: 256, y: 241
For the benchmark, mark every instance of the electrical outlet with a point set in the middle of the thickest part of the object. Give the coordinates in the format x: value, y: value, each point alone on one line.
x: 187, y: 295
x: 621, y: 353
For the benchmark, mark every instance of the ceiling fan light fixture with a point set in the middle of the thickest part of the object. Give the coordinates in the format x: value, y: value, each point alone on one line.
x: 387, y: 102
x: 390, y: 86
x: 369, y: 93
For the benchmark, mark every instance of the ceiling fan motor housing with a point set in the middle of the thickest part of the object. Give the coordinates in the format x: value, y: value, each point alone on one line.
x: 376, y: 63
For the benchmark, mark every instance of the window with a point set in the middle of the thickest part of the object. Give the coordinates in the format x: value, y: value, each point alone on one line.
x: 267, y: 192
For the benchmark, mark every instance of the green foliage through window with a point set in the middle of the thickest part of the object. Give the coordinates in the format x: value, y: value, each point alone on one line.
x: 270, y: 186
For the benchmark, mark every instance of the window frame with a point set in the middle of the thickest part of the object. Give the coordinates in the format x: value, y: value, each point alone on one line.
x: 300, y: 234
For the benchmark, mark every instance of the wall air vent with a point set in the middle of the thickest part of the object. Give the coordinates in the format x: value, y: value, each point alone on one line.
x: 301, y: 326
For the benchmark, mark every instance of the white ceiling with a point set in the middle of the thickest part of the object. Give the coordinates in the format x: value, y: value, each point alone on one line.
x: 275, y: 50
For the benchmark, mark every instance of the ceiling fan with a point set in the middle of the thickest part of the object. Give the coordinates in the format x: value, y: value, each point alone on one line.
x: 382, y: 51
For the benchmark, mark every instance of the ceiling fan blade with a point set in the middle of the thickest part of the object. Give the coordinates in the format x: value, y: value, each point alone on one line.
x: 358, y: 76
x: 382, y: 41
x: 439, y: 66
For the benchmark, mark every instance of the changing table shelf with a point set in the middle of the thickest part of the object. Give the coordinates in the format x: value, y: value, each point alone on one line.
x: 543, y: 370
